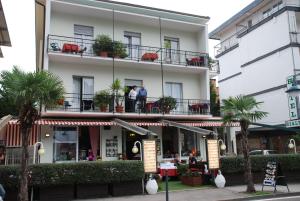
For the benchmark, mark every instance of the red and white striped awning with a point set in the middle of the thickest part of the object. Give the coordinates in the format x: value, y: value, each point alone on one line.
x: 13, y: 134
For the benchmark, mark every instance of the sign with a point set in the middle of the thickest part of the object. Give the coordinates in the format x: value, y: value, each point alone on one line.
x: 290, y: 81
x: 149, y: 148
x: 293, y: 123
x: 270, y: 174
x: 293, y: 108
x: 213, y: 154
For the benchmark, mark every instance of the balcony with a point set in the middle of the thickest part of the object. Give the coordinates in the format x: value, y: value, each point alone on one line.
x: 83, y: 48
x: 157, y: 106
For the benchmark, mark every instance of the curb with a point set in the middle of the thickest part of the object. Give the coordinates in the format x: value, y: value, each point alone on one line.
x: 259, y: 197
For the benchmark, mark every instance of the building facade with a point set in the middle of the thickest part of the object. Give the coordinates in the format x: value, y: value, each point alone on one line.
x: 258, y: 50
x: 163, y: 51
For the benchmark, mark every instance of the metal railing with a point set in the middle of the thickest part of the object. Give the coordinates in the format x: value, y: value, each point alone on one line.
x: 226, y: 44
x: 84, y: 47
x: 295, y: 37
x: 86, y: 103
x: 214, y: 67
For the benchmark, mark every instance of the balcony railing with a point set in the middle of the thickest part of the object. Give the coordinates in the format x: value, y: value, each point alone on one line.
x: 214, y: 67
x: 73, y: 102
x: 84, y: 47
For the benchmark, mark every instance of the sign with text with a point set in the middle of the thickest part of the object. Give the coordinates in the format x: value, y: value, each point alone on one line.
x: 213, y: 154
x: 290, y: 81
x: 293, y: 123
x: 270, y: 174
x: 150, y: 161
x: 293, y: 108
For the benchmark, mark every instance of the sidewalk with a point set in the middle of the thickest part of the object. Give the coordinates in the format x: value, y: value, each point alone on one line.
x: 206, y: 194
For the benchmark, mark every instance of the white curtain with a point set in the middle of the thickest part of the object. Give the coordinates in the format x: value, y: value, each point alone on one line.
x: 87, y: 88
x: 175, y: 90
x: 76, y: 92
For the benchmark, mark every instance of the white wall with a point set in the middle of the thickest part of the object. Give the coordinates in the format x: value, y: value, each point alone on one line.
x: 47, y: 157
x: 63, y: 25
x: 195, y: 86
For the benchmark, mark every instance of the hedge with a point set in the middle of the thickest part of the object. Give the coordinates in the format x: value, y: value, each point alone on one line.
x: 288, y: 162
x: 75, y: 173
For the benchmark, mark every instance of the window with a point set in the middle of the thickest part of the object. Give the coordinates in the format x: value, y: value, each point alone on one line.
x: 84, y: 36
x: 129, y: 83
x: 83, y: 90
x: 189, y: 143
x: 65, y: 144
x: 171, y: 46
x: 175, y: 90
x: 170, y: 142
x: 133, y: 42
x: 13, y: 155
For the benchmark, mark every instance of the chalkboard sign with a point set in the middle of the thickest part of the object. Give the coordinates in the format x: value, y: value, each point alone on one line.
x: 270, y: 174
x: 274, y: 176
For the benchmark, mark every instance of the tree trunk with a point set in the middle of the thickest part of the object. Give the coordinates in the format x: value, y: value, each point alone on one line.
x: 247, y: 162
x: 23, y: 192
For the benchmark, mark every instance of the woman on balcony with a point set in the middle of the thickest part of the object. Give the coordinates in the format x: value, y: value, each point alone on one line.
x: 132, y: 98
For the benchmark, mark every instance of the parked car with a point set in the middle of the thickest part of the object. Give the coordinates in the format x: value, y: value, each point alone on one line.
x: 262, y: 152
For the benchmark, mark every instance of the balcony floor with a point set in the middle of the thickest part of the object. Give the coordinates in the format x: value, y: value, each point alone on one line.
x: 108, y: 61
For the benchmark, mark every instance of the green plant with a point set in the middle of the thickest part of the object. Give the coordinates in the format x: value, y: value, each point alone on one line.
x: 105, y: 172
x: 102, y: 98
x: 288, y: 162
x: 167, y: 44
x: 117, y: 89
x: 243, y: 109
x: 119, y: 49
x: 167, y: 104
x: 29, y: 92
x: 103, y: 43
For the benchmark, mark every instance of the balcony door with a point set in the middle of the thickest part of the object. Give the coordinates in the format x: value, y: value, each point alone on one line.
x: 84, y: 36
x: 172, y: 53
x: 174, y: 90
x: 133, y: 42
x: 83, y: 92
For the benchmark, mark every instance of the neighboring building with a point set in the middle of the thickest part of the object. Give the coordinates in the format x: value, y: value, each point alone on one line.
x: 177, y: 43
x: 4, y: 35
x: 259, y: 49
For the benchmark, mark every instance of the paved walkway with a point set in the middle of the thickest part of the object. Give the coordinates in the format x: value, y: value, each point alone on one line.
x: 206, y: 194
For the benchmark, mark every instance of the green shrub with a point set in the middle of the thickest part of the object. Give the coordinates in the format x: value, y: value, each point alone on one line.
x: 288, y: 162
x: 72, y: 173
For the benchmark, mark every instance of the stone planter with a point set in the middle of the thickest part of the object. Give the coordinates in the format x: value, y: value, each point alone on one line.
x: 126, y: 188
x: 12, y: 194
x: 191, y: 181
x: 91, y: 191
x: 57, y: 193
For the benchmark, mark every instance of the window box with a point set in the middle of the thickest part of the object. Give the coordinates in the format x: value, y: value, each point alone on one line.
x: 92, y: 191
x: 57, y: 193
x: 191, y: 180
x: 127, y: 188
x: 149, y: 57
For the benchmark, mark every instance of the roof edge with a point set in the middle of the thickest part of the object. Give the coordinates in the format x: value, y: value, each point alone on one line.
x: 212, y: 34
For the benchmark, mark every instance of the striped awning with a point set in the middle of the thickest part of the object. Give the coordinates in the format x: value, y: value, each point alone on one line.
x: 13, y: 135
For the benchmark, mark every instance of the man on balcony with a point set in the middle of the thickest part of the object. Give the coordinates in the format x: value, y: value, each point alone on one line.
x: 142, y: 97
x: 132, y: 98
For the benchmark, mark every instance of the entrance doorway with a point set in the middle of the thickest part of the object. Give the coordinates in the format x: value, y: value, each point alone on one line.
x: 129, y: 138
x: 89, y: 142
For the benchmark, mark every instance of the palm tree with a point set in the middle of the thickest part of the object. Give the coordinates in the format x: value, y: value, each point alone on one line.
x: 242, y: 109
x: 29, y: 91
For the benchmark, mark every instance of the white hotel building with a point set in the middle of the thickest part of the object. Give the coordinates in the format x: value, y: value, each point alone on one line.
x: 65, y: 34
x: 258, y: 50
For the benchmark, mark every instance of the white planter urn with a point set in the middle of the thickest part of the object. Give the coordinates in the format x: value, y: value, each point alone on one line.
x: 151, y: 186
x: 220, y: 180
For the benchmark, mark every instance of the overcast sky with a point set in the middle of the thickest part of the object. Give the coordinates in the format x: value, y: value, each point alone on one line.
x: 20, y: 21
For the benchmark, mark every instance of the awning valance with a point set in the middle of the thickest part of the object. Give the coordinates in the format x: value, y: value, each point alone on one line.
x: 137, y: 123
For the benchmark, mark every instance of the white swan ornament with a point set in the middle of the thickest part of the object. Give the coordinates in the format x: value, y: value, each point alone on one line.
x: 220, y: 180
x: 151, y: 186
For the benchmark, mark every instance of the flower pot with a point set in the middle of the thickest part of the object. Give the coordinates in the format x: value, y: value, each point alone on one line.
x: 103, y: 54
x: 60, y: 101
x: 119, y: 109
x: 191, y: 180
x: 103, y: 108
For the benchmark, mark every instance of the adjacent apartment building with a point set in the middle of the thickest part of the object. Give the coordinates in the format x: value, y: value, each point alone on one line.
x: 166, y: 52
x: 4, y: 34
x: 258, y: 50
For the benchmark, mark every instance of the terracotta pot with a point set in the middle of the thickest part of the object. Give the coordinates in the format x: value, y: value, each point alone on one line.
x: 119, y: 109
x: 191, y: 181
x: 103, y: 54
x: 103, y: 108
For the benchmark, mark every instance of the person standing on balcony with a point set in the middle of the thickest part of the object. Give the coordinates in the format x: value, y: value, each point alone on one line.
x: 142, y: 97
x: 132, y: 98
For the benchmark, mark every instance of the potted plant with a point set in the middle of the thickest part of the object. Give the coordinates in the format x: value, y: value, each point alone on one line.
x: 60, y: 101
x: 117, y: 89
x: 102, y: 98
x: 119, y: 50
x: 189, y: 177
x: 150, y: 57
x: 103, y: 45
x: 166, y: 104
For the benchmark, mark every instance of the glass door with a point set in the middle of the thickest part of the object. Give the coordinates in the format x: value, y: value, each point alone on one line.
x: 172, y: 53
x: 83, y: 92
x: 133, y: 41
x: 175, y: 90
